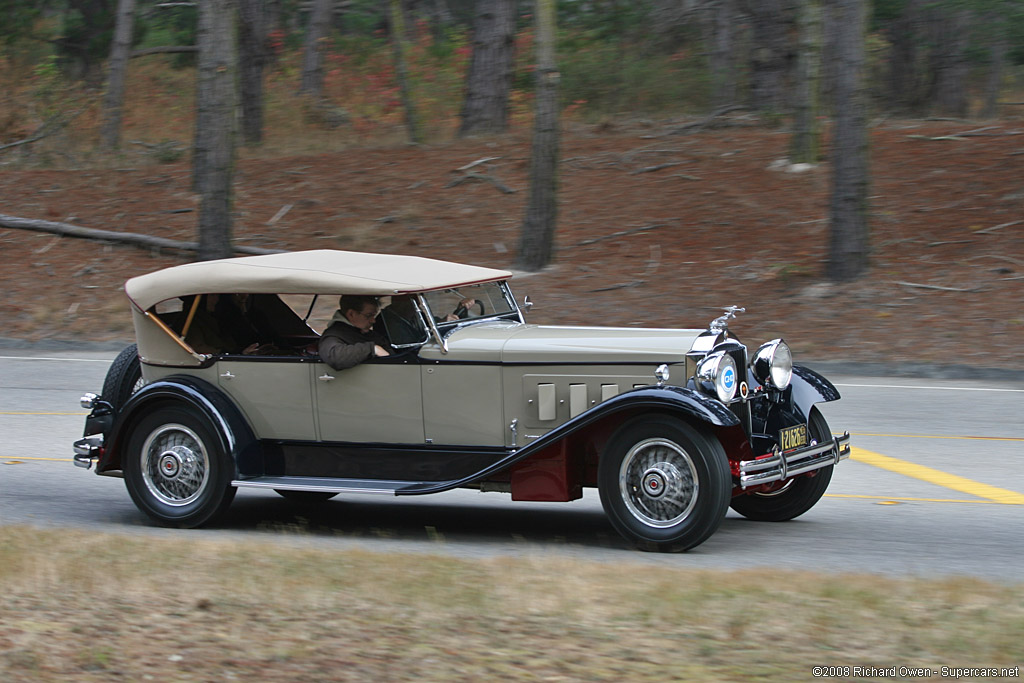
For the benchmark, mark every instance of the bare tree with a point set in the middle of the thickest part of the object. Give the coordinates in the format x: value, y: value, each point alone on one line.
x: 907, y: 83
x: 538, y: 236
x: 848, y: 248
x: 397, y: 23
x: 316, y: 44
x: 120, y: 51
x: 805, y: 145
x: 214, y: 157
x: 721, y: 38
x: 490, y: 69
x: 253, y: 55
x: 949, y: 28
x: 771, y: 54
x: 997, y: 62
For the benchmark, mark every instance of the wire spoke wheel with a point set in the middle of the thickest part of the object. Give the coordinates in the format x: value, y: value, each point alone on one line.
x: 175, y: 465
x: 177, y: 468
x: 658, y: 483
x: 664, y: 483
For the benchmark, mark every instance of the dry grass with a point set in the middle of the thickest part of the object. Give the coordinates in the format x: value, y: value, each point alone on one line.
x: 92, y: 607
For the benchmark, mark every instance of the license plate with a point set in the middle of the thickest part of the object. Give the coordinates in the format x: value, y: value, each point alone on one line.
x: 792, y: 437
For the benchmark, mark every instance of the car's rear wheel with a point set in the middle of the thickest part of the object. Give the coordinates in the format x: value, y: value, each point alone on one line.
x: 123, y: 378
x: 175, y: 468
x: 664, y: 484
x: 305, y: 496
x: 796, y: 496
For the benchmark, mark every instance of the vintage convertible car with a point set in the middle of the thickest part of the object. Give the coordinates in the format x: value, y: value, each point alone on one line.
x: 225, y: 390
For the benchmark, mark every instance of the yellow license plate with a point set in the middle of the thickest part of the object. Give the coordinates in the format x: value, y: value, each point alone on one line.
x: 792, y: 437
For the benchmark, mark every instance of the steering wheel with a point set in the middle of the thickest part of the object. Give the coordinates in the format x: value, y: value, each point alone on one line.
x: 462, y: 312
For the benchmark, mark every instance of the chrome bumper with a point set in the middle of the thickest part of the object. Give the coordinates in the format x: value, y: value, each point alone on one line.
x: 87, y: 449
x: 779, y: 466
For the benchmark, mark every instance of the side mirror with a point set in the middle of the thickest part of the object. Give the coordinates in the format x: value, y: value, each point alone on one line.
x: 527, y: 304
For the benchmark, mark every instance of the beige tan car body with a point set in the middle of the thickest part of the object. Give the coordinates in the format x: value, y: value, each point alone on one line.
x: 672, y: 426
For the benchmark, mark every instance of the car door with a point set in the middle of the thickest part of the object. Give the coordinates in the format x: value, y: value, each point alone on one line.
x: 274, y: 393
x: 379, y: 401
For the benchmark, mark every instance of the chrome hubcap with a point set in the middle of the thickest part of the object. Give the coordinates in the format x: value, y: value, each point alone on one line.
x: 658, y: 483
x: 175, y: 465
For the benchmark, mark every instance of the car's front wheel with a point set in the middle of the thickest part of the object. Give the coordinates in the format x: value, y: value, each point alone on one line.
x: 175, y: 468
x: 796, y: 496
x: 664, y: 484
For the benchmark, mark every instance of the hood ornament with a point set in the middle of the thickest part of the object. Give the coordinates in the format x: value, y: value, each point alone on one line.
x: 721, y: 323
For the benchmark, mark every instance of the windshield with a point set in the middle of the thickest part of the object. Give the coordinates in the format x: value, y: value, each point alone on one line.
x: 470, y: 302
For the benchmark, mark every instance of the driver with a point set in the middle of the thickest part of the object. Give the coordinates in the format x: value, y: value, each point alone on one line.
x: 461, y: 311
x: 350, y: 338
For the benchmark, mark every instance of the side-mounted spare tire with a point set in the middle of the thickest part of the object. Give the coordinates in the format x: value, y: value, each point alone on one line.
x: 124, y: 377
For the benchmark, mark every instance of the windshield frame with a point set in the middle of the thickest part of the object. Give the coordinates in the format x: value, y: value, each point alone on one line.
x: 442, y: 329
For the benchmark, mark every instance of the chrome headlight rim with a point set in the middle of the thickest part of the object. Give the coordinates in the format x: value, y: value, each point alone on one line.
x: 772, y: 364
x: 717, y: 375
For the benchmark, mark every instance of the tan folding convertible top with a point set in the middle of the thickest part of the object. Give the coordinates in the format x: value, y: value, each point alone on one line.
x: 322, y: 271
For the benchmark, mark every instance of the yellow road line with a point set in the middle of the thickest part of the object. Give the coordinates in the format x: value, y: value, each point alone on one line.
x: 932, y: 436
x: 22, y: 457
x: 914, y: 500
x: 2, y: 412
x: 933, y: 476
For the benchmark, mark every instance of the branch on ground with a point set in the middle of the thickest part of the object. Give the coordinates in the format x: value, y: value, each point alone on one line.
x: 49, y: 127
x: 164, y: 50
x: 697, y: 126
x: 130, y: 238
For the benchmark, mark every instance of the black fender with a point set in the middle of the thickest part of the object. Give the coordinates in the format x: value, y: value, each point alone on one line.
x: 793, y: 406
x: 693, y: 406
x: 809, y: 388
x: 236, y: 436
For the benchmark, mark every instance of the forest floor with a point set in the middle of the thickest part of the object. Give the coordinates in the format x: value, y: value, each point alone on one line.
x: 654, y: 229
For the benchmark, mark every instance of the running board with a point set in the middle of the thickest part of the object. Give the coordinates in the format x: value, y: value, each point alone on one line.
x: 329, y: 485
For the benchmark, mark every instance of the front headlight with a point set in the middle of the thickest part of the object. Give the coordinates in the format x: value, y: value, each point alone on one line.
x: 773, y: 364
x: 717, y: 373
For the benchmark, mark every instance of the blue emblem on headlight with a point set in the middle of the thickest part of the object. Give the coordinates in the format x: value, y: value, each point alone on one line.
x: 729, y: 378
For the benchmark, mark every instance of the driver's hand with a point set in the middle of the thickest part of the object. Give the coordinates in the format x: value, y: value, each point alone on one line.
x: 462, y: 307
x: 379, y: 350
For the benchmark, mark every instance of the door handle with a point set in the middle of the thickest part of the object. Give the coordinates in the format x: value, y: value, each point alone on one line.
x: 227, y: 375
x: 325, y: 377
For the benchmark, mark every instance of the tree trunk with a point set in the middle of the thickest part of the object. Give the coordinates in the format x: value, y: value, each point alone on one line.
x: 848, y: 234
x: 949, y: 62
x: 536, y: 245
x: 213, y: 164
x: 113, y: 99
x: 907, y: 92
x: 442, y: 15
x: 316, y: 44
x: 771, y: 56
x: 722, y: 53
x: 405, y: 87
x: 995, y: 75
x: 805, y: 146
x: 252, y: 56
x: 490, y: 69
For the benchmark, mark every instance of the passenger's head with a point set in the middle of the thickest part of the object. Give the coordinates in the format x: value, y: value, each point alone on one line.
x: 360, y: 310
x: 403, y: 306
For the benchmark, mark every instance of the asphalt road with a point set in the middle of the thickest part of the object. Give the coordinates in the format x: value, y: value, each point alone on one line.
x: 933, y: 489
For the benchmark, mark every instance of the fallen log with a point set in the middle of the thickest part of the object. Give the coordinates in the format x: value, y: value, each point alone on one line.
x: 164, y: 50
x: 131, y: 238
